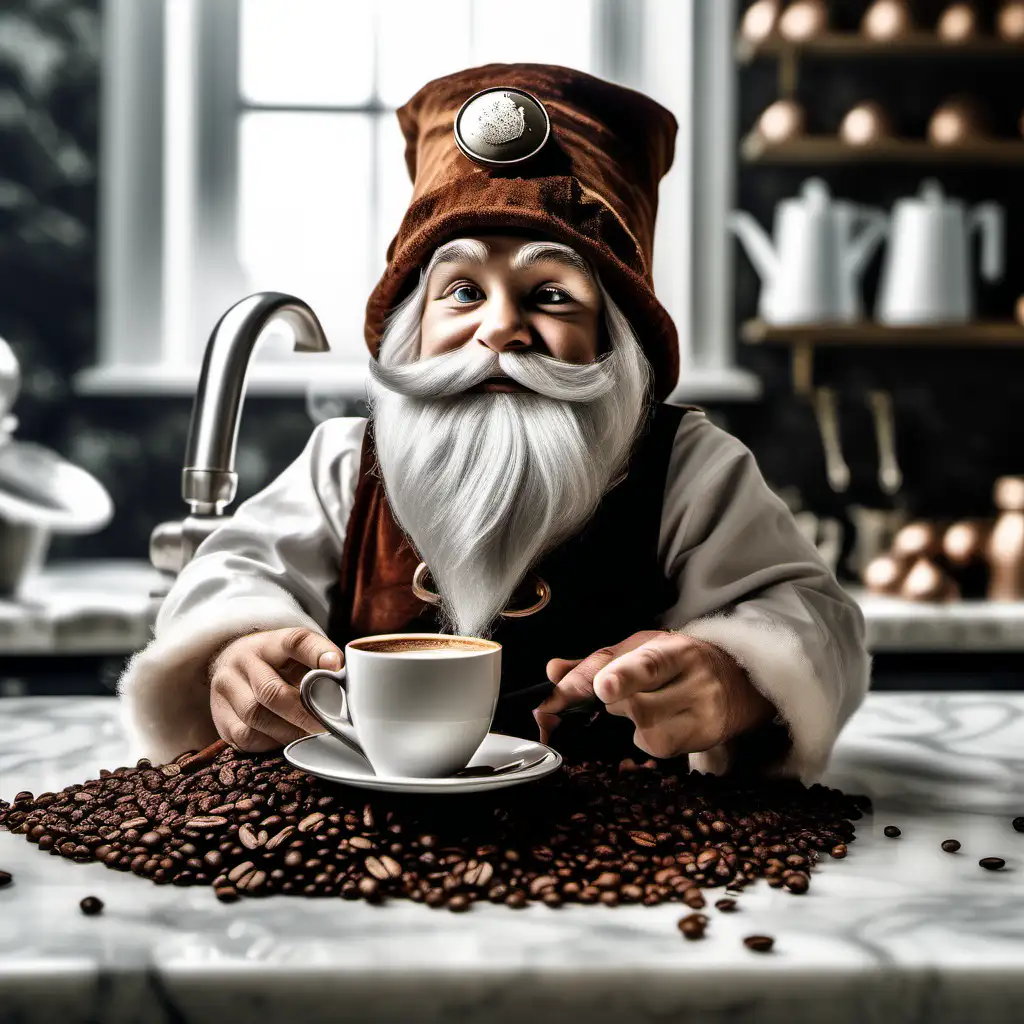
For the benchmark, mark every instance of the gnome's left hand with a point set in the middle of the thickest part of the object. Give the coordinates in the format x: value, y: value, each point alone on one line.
x: 683, y: 695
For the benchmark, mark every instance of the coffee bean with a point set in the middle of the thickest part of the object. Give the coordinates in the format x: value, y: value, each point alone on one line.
x: 759, y: 943
x: 1018, y: 824
x: 797, y: 882
x: 950, y: 845
x: 91, y: 905
x: 727, y: 906
x: 239, y: 870
x: 838, y: 851
x: 693, y: 926
x: 5, y: 878
x: 891, y: 831
x: 642, y: 839
x: 542, y: 884
x: 458, y: 903
x: 694, y: 898
x: 226, y: 893
x: 208, y: 822
x: 312, y: 822
x: 992, y: 863
x: 360, y: 843
x: 479, y: 874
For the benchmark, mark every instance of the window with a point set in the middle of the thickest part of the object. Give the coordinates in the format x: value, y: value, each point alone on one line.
x: 252, y: 145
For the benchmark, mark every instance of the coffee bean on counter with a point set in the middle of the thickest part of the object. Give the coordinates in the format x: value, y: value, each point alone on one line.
x: 759, y: 943
x: 5, y: 878
x: 693, y: 926
x: 992, y: 863
x: 1018, y: 824
x: 950, y: 845
x: 838, y: 851
x: 91, y: 905
x: 891, y: 831
x: 797, y: 882
x: 727, y: 906
x: 251, y: 825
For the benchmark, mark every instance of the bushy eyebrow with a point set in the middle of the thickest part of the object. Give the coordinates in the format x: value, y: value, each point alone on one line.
x: 471, y: 250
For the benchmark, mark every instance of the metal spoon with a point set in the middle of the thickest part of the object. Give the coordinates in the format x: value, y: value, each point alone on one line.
x: 486, y: 770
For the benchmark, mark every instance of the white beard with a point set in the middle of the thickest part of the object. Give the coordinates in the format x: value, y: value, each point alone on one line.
x: 486, y: 484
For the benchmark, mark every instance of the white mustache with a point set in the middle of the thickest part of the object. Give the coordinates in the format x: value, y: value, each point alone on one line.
x: 461, y: 369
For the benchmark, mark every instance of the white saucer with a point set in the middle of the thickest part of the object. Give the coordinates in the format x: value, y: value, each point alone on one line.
x: 325, y: 756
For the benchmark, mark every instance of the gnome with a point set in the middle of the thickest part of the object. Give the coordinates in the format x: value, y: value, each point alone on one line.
x: 521, y: 478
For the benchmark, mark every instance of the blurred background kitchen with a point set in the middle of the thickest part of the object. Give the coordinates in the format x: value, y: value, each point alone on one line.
x: 838, y: 242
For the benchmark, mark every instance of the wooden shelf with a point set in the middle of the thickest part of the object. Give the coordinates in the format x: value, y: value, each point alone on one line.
x: 852, y: 44
x: 827, y: 149
x: 997, y: 332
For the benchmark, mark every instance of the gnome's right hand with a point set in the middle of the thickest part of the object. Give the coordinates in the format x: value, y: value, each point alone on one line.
x: 254, y: 696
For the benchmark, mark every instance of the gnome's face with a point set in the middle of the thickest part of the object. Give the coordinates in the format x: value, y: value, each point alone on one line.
x: 506, y: 398
x: 494, y: 291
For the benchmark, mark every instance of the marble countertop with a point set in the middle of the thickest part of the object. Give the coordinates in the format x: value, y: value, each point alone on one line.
x: 105, y: 607
x: 899, y: 930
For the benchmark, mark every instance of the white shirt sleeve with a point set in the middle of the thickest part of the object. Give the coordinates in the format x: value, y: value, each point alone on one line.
x: 271, y: 565
x: 752, y: 584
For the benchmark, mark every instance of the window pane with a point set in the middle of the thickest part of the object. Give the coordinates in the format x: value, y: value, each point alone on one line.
x: 395, y: 187
x: 306, y: 52
x: 419, y: 42
x: 305, y: 218
x: 533, y: 31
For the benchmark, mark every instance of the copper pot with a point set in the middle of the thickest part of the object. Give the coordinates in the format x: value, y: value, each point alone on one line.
x: 887, y: 19
x: 803, y: 20
x: 759, y: 21
x: 783, y: 120
x: 957, y: 121
x: 958, y: 23
x: 927, y: 582
x: 1010, y: 21
x: 865, y: 124
x: 919, y: 539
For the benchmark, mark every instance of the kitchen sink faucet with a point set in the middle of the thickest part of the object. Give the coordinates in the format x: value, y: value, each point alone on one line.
x: 209, y: 481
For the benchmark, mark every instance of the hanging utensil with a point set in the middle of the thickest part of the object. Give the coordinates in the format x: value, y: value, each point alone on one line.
x: 890, y: 477
x: 836, y: 469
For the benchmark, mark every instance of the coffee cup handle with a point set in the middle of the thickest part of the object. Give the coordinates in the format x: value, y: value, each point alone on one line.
x: 339, y: 725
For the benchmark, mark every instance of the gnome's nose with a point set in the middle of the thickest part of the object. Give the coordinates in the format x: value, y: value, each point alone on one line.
x: 505, y: 339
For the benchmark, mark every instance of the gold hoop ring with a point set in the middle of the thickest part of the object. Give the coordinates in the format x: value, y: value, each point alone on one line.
x: 421, y: 592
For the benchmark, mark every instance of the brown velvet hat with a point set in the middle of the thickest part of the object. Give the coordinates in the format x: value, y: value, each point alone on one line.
x: 543, y: 148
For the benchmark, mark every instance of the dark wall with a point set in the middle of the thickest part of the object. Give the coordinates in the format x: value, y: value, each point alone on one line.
x: 957, y: 422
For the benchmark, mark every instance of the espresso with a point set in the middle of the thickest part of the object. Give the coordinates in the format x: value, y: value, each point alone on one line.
x: 423, y: 645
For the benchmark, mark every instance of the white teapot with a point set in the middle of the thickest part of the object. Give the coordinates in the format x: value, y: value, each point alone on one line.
x: 927, y: 274
x: 811, y: 272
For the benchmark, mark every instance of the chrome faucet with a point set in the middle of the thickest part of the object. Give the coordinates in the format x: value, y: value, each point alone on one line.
x: 209, y: 481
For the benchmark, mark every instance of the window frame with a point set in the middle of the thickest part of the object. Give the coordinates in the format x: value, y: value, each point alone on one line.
x: 145, y: 256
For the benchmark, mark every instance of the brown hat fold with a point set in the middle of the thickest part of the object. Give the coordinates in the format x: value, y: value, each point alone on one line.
x: 593, y: 185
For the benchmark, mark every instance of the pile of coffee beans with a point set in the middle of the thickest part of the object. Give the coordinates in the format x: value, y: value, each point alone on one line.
x: 252, y: 824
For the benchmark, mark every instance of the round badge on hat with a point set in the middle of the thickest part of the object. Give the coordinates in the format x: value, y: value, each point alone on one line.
x: 501, y: 126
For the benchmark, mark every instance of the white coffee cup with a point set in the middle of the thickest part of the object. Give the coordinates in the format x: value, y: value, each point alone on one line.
x: 415, y: 705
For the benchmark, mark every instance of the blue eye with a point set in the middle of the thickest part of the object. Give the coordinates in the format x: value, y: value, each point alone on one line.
x: 462, y: 288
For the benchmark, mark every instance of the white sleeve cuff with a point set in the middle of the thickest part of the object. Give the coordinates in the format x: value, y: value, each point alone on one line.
x: 164, y: 692
x: 776, y: 663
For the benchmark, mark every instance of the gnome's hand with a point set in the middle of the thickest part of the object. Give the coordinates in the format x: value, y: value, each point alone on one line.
x: 683, y: 695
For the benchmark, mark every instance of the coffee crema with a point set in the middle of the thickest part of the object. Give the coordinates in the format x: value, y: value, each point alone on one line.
x: 423, y: 645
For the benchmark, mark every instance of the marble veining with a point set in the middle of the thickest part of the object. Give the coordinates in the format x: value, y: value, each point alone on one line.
x: 899, y: 930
